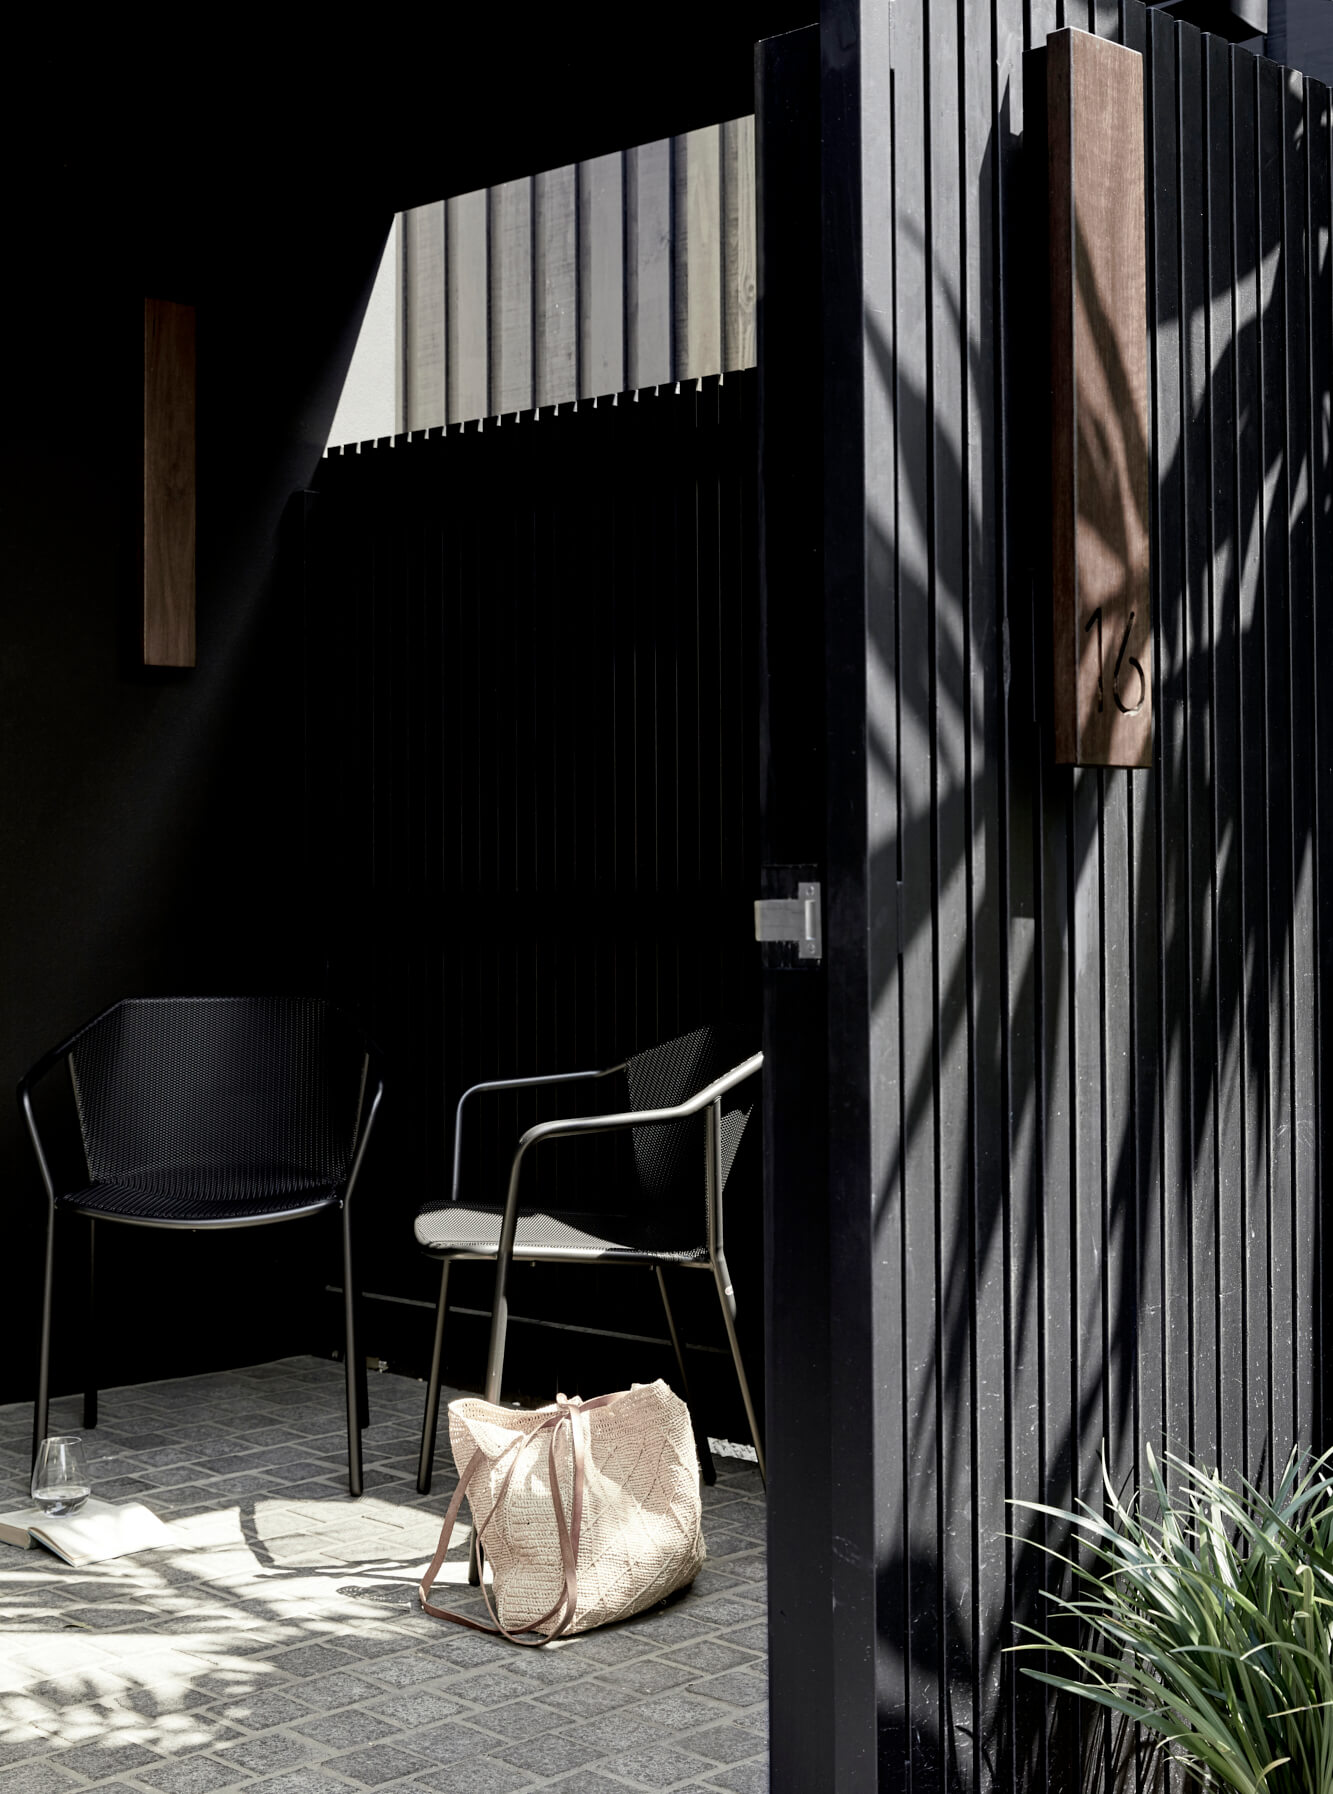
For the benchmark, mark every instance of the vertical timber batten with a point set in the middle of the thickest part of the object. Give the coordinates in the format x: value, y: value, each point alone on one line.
x: 858, y: 459
x: 792, y: 802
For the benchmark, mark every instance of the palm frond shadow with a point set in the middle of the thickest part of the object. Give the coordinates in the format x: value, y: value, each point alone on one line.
x: 994, y: 1229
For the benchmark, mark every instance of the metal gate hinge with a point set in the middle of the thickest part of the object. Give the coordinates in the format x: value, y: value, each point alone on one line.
x: 792, y: 919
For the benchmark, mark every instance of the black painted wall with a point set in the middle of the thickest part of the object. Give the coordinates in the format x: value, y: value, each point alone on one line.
x: 148, y: 821
x: 1076, y: 1017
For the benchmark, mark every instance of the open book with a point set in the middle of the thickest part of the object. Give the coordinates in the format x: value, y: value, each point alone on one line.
x: 100, y: 1530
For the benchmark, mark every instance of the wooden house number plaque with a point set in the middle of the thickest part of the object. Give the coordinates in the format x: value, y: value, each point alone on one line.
x: 1099, y: 396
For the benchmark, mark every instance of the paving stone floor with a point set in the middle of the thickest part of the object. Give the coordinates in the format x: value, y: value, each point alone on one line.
x: 279, y: 1649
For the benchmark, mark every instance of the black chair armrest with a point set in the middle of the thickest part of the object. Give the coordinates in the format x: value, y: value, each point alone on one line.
x: 374, y: 1078
x: 28, y: 1082
x: 49, y: 1061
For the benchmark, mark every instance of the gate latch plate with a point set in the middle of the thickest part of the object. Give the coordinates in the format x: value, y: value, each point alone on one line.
x: 792, y: 919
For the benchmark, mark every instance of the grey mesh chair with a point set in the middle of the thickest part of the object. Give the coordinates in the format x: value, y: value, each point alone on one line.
x: 199, y: 1113
x: 683, y: 1140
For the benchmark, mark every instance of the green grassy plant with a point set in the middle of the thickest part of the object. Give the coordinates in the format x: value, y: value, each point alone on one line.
x: 1210, y: 1624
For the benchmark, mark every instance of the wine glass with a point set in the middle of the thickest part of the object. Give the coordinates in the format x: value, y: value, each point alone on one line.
x: 60, y: 1482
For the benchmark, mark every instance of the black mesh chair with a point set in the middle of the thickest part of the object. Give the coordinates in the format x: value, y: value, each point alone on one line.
x: 683, y: 1139
x: 210, y: 1112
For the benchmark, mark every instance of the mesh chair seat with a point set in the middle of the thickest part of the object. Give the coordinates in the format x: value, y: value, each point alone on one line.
x: 461, y: 1230
x: 172, y: 1202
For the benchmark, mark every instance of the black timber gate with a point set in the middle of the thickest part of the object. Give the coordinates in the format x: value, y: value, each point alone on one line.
x: 531, y: 813
x: 1075, y: 1070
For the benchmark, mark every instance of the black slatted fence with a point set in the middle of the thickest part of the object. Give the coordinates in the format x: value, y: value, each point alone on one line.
x: 532, y: 806
x: 1097, y: 1067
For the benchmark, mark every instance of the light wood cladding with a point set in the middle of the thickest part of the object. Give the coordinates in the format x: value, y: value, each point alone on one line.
x: 556, y: 286
x: 629, y: 271
x: 601, y: 237
x: 467, y: 260
x: 168, y: 484
x: 1100, y: 454
x: 699, y: 232
x: 424, y: 358
x: 511, y: 296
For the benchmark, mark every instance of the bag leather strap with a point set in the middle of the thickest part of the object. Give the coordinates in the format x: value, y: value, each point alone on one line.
x: 568, y: 1412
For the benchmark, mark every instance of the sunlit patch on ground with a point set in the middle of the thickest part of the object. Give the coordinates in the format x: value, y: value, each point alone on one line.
x: 279, y: 1648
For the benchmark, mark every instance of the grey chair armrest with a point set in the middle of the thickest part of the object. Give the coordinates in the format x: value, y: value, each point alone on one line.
x: 559, y: 1077
x: 604, y: 1124
x: 599, y: 1124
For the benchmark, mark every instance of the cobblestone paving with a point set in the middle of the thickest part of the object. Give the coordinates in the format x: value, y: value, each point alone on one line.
x: 279, y: 1649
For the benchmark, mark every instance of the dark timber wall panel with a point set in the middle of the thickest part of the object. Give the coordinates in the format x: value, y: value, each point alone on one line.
x: 1095, y: 1091
x: 533, y: 803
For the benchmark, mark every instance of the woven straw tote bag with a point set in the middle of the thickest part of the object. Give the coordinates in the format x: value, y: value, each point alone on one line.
x: 586, y: 1511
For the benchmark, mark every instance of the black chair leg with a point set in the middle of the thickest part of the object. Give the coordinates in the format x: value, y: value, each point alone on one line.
x: 706, y: 1465
x: 90, y: 1335
x: 722, y: 1277
x: 351, y: 1354
x: 41, y: 1419
x: 431, y: 1420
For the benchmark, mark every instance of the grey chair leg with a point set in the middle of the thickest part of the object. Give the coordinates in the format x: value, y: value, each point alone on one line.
x: 90, y: 1335
x: 431, y: 1421
x: 722, y: 1278
x: 351, y: 1356
x: 495, y: 1363
x: 41, y: 1419
x: 494, y: 1380
x: 362, y: 1376
x: 495, y: 1351
x: 706, y: 1465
